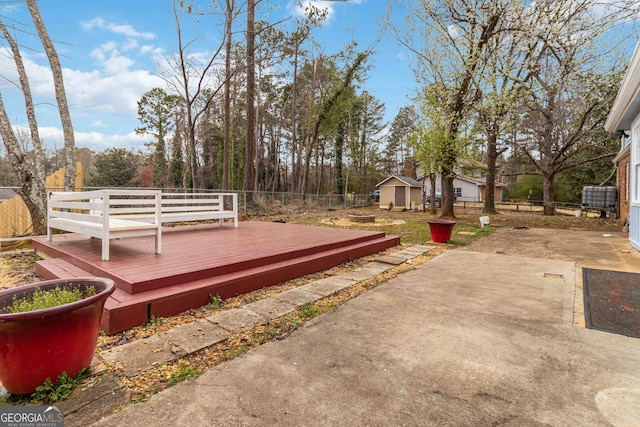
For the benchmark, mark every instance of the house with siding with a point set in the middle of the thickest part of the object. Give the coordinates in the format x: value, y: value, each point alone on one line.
x: 406, y: 191
x: 624, y: 117
x: 469, y: 185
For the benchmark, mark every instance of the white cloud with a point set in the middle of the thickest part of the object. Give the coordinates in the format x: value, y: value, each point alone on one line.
x: 53, y: 138
x: 100, y: 141
x: 110, y: 54
x: 99, y: 52
x: 102, y: 92
x: 117, y: 93
x: 130, y: 44
x: 113, y: 91
x: 117, y: 64
x: 121, y: 29
x: 146, y: 49
x: 99, y: 124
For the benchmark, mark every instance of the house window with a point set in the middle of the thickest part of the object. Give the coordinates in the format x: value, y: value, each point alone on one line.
x: 457, y: 192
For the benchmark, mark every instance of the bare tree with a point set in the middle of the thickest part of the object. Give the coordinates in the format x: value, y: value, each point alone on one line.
x: 574, y: 82
x: 32, y: 190
x: 229, y: 18
x: 193, y: 82
x: 250, y: 135
x: 563, y: 117
x: 61, y: 96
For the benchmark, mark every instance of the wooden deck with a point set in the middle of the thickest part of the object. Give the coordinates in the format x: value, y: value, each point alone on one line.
x: 198, y: 261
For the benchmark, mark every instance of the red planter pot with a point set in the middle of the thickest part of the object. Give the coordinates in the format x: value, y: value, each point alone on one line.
x: 42, y: 344
x: 440, y: 230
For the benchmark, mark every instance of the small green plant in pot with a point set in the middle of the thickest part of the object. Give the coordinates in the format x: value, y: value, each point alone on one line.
x: 42, y: 299
x: 48, y: 328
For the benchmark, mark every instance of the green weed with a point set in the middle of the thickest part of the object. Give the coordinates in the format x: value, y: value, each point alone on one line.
x: 51, y: 392
x: 214, y: 302
x: 185, y: 373
x: 294, y: 324
x: 156, y: 321
x: 48, y: 298
x: 307, y: 310
x: 264, y: 336
x: 236, y: 352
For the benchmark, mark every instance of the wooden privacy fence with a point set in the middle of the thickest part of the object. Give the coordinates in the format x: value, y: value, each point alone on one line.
x: 15, y: 219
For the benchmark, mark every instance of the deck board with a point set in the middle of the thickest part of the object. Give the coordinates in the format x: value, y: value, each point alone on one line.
x: 207, y: 257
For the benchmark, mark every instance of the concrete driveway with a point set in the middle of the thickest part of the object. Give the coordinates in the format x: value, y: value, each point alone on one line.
x: 472, y: 337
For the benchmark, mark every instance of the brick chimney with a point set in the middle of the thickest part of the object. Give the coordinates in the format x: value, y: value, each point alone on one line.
x: 409, y: 168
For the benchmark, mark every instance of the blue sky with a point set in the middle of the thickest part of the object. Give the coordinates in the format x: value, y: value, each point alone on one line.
x: 110, y: 51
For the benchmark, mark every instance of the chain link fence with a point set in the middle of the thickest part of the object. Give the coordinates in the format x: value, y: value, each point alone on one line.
x: 253, y: 202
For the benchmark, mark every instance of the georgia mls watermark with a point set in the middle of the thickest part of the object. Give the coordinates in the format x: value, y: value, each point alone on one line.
x: 31, y: 416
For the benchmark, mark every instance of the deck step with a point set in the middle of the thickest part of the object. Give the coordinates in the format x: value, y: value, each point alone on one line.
x: 202, y: 260
x: 124, y: 310
x: 74, y: 249
x: 57, y: 268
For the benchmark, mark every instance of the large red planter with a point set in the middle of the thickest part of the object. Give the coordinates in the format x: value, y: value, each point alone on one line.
x: 440, y: 229
x: 42, y: 344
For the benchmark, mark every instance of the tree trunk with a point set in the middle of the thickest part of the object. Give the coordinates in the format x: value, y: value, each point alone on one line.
x: 321, y: 171
x: 61, y: 96
x: 547, y: 194
x: 447, y: 198
x: 227, y: 95
x: 448, y: 175
x: 492, y: 154
x: 294, y: 120
x: 309, y: 143
x: 250, y: 141
x: 338, y: 150
x: 31, y: 192
x: 432, y: 204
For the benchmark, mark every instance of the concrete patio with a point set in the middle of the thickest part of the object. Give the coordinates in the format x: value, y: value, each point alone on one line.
x: 481, y: 336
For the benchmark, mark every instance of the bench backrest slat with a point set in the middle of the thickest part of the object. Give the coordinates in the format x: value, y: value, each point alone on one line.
x: 74, y: 216
x: 77, y: 205
x: 187, y: 202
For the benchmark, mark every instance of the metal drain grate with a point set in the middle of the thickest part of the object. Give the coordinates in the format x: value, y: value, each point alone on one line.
x: 612, y: 301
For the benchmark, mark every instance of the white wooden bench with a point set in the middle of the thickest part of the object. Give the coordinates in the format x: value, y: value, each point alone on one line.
x: 185, y: 207
x: 134, y: 213
x: 188, y: 207
x: 100, y: 214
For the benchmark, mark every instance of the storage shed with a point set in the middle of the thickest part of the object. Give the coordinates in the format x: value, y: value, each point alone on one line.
x: 400, y: 192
